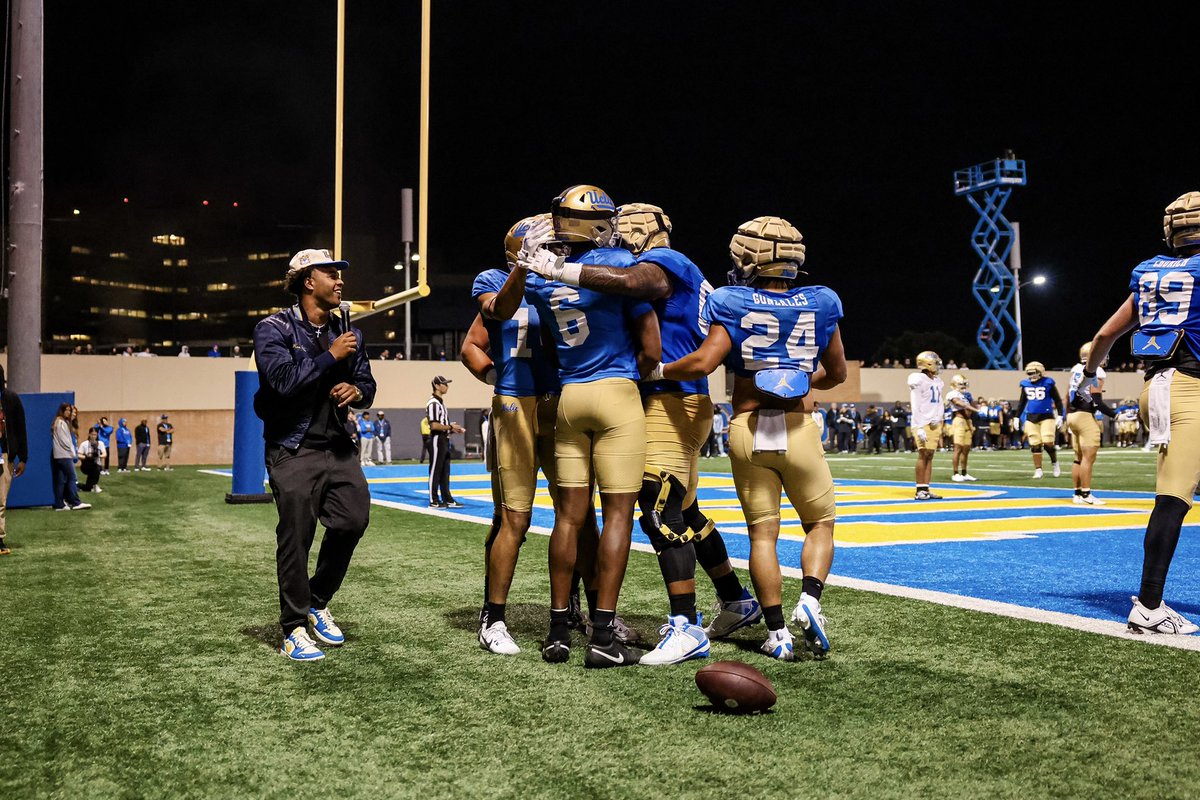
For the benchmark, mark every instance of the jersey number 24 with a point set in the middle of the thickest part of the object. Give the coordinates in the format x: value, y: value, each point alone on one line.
x: 801, y: 343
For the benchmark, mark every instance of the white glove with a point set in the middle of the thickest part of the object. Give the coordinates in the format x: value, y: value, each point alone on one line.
x: 920, y: 434
x: 656, y: 374
x: 551, y: 267
x: 539, y: 233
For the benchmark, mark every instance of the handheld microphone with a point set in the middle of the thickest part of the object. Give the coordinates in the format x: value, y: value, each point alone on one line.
x: 344, y: 308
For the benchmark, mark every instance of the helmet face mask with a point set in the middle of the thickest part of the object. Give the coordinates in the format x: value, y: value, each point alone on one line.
x: 766, y: 247
x: 1181, y: 222
x: 584, y: 214
x: 929, y: 361
x: 642, y: 227
x: 1035, y: 370
x: 515, y: 235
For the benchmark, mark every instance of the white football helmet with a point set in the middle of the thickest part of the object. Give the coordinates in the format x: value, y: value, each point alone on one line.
x: 929, y: 361
x: 1035, y: 370
x: 959, y: 382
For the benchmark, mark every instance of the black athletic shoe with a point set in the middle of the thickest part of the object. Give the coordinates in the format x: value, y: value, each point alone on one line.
x: 455, y: 504
x: 556, y: 651
x: 575, y: 613
x: 615, y: 654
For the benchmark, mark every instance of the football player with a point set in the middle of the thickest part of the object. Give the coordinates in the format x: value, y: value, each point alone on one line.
x: 678, y: 421
x: 1042, y: 407
x: 778, y: 338
x: 925, y: 399
x: 1164, y: 302
x: 527, y: 390
x: 1127, y: 423
x: 1085, y: 428
x: 962, y: 406
x: 600, y: 430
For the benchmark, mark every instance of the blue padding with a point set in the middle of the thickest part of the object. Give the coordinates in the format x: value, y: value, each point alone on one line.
x: 249, y: 465
x: 35, y: 488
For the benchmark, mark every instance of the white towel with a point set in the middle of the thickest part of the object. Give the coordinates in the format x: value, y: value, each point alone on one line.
x: 770, y: 436
x: 1160, y: 406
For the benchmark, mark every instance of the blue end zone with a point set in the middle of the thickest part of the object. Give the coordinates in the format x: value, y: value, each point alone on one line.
x: 1024, y: 546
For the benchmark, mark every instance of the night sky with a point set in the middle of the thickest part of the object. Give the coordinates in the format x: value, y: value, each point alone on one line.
x: 848, y: 121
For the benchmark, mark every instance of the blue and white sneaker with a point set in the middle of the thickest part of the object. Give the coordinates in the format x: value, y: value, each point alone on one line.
x: 810, y: 619
x: 324, y: 628
x: 681, y: 640
x: 297, y: 646
x: 779, y: 645
x: 729, y: 617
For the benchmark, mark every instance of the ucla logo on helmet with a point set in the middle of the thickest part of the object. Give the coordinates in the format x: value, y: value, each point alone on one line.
x: 600, y: 201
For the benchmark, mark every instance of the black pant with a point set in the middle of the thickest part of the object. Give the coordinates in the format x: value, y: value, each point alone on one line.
x: 313, y: 486
x: 426, y: 448
x: 122, y: 458
x: 107, y: 450
x: 439, y: 470
x: 845, y: 441
x: 91, y: 470
x: 873, y: 440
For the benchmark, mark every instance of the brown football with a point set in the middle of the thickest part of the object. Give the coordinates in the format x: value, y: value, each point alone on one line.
x: 736, y: 687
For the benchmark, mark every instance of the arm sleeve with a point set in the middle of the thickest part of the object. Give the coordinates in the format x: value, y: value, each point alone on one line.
x: 1021, y: 405
x: 1057, y: 398
x: 1105, y: 409
x: 277, y: 368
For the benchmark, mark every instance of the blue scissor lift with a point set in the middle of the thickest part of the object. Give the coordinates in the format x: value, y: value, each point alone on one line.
x: 987, y: 187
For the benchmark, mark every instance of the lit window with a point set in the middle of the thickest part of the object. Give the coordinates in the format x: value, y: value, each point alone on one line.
x: 389, y: 335
x: 83, y: 251
x: 169, y: 239
x: 119, y: 256
x: 183, y: 262
x: 168, y: 262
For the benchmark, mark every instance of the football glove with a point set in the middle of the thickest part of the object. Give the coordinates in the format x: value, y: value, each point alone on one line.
x: 920, y: 434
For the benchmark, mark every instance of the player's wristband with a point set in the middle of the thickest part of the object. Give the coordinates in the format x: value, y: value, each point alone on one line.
x: 1087, y: 374
x: 656, y: 374
x: 570, y: 273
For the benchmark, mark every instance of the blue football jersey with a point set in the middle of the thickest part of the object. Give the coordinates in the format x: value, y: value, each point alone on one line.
x: 1038, y: 399
x: 522, y: 368
x: 1167, y: 290
x: 774, y: 329
x: 679, y: 315
x: 590, y: 329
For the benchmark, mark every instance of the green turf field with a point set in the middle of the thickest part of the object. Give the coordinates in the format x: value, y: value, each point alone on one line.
x: 139, y: 661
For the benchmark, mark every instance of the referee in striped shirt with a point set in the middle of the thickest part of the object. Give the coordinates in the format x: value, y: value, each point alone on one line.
x: 440, y: 428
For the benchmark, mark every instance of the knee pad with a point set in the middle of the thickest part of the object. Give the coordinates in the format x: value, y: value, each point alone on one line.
x: 710, y: 551
x: 677, y: 562
x: 661, y: 503
x: 700, y: 525
x: 1035, y: 448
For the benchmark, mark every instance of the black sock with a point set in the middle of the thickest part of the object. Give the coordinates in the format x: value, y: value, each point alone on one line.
x: 922, y: 487
x: 1162, y: 535
x: 495, y: 612
x: 1078, y: 491
x: 602, y: 627
x: 559, y: 630
x: 684, y: 605
x: 774, y: 617
x: 1085, y: 492
x: 591, y: 598
x: 812, y: 587
x: 728, y: 587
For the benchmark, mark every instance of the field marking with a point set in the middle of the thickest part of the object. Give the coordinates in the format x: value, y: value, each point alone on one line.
x: 1108, y: 628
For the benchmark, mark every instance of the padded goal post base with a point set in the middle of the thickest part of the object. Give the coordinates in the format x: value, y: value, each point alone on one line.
x: 249, y: 465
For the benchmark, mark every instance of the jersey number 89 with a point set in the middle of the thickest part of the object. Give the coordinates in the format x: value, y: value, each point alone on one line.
x: 1165, y: 299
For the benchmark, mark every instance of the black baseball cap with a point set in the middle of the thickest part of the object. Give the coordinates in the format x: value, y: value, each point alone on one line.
x: 441, y: 379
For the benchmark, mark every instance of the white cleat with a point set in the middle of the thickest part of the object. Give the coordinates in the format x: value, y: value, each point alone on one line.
x: 681, y: 640
x: 1037, y: 473
x: 957, y: 478
x: 812, y: 622
x: 495, y: 638
x: 1057, y: 470
x: 1159, y: 620
x: 967, y: 477
x: 779, y: 645
x: 729, y: 617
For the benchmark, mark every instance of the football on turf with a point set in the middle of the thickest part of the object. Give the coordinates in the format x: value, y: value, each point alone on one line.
x: 736, y: 687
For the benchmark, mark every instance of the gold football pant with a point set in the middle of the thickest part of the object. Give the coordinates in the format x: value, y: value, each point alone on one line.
x: 802, y: 471
x: 677, y: 426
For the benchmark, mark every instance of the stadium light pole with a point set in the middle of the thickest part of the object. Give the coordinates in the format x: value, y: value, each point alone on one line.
x: 1037, y: 280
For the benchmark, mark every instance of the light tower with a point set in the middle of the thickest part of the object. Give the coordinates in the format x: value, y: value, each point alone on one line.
x: 987, y: 187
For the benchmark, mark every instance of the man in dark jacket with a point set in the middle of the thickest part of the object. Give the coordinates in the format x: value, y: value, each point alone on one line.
x: 14, y: 449
x: 311, y: 368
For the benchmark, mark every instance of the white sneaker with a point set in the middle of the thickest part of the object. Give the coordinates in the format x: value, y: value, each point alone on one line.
x: 1037, y: 473
x: 495, y: 638
x: 96, y: 490
x: 1057, y: 470
x: 1078, y: 500
x: 812, y: 622
x: 967, y: 477
x: 103, y: 472
x: 1159, y: 620
x: 80, y: 506
x: 681, y: 640
x: 779, y: 645
x: 957, y: 478
x: 1092, y: 500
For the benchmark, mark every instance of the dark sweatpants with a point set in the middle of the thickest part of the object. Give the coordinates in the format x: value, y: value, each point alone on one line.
x: 313, y: 486
x: 439, y: 470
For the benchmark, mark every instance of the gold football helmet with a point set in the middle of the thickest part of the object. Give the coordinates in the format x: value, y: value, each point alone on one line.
x: 584, y: 213
x: 1035, y: 370
x: 929, y: 361
x: 512, y: 239
x: 643, y: 227
x: 959, y: 382
x: 1181, y: 222
x: 768, y: 247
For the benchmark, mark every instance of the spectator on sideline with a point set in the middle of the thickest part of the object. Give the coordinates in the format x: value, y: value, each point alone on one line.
x: 237, y: 351
x: 145, y: 352
x: 183, y: 352
x: 105, y: 432
x: 385, y: 355
x: 716, y: 445
x: 14, y: 449
x: 899, y: 436
x: 62, y: 462
x: 166, y: 438
x: 366, y: 439
x: 91, y: 451
x: 383, y: 439
x: 426, y: 445
x: 124, y: 441
x: 214, y: 352
x: 141, y: 437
